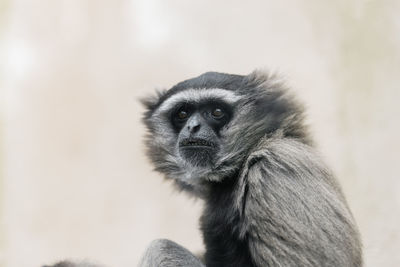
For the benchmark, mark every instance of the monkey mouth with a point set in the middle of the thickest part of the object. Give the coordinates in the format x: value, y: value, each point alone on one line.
x: 196, y: 142
x: 197, y: 151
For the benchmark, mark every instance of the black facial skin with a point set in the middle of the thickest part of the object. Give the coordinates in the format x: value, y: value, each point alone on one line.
x: 197, y: 127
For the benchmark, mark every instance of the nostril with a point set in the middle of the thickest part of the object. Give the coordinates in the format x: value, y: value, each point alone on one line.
x: 194, y: 128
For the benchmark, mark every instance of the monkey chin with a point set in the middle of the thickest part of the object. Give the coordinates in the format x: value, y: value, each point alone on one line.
x: 200, y: 156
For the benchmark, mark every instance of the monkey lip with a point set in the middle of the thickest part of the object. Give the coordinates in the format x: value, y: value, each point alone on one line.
x: 196, y: 142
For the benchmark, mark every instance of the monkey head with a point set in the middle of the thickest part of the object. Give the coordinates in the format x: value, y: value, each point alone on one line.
x: 201, y: 130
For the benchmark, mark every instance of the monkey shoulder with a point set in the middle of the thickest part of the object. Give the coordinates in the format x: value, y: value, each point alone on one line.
x: 286, y: 163
x: 286, y: 179
x: 291, y: 200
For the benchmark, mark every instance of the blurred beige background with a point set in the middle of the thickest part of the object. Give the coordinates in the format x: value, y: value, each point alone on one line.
x: 74, y: 182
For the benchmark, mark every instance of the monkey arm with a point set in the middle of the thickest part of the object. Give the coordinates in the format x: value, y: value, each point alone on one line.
x: 72, y: 264
x: 160, y: 253
x: 294, y: 212
x: 166, y: 253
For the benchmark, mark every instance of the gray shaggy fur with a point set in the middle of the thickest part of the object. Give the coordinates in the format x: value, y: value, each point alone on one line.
x: 269, y: 199
x: 163, y: 252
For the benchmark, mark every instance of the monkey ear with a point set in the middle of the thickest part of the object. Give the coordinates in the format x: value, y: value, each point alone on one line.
x: 151, y: 102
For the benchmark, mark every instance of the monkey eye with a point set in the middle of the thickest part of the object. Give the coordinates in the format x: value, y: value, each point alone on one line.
x: 182, y: 115
x: 217, y: 113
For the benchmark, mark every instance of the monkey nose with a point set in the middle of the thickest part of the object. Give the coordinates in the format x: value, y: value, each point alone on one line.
x: 194, y: 124
x: 193, y: 128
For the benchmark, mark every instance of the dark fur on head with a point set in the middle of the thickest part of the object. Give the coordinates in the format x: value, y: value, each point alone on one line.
x: 265, y: 108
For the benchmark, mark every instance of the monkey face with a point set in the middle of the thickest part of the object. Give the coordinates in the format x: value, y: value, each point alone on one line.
x: 197, y: 127
x: 187, y: 137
